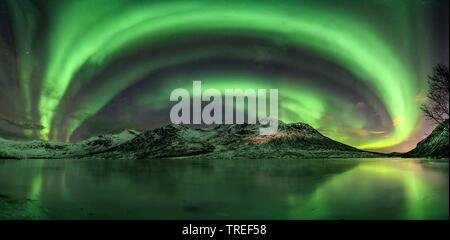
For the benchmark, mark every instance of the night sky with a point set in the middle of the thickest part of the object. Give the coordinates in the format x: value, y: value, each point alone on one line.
x: 355, y: 70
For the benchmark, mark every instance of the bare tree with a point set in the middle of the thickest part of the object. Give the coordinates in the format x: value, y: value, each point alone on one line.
x: 436, y: 107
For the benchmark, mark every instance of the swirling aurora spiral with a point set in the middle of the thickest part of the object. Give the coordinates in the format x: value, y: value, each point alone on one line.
x: 337, y: 71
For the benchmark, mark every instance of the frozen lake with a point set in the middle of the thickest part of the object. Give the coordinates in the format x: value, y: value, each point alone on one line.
x: 224, y: 189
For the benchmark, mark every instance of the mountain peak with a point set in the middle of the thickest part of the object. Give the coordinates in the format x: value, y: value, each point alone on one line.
x: 297, y: 140
x: 237, y: 141
x: 434, y: 145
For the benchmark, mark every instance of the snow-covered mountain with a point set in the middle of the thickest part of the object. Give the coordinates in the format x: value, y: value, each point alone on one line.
x: 174, y: 141
x: 49, y: 149
x: 435, y: 145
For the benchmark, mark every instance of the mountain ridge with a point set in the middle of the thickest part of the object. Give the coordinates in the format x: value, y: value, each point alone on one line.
x: 434, y: 145
x: 177, y: 141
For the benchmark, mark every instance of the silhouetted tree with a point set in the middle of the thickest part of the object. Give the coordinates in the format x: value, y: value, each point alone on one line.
x: 436, y: 107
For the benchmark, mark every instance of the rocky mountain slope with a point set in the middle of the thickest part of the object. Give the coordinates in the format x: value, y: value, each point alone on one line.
x: 48, y: 149
x: 173, y: 141
x: 235, y: 141
x: 435, y: 145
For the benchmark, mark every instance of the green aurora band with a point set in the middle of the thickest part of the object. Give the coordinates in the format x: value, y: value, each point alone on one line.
x: 85, y: 37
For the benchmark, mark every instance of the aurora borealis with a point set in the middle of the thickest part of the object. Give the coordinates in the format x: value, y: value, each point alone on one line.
x: 355, y: 70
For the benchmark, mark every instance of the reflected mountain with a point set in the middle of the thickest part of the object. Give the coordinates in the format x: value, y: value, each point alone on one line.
x: 224, y: 189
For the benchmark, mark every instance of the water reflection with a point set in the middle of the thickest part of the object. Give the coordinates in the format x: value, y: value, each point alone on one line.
x: 388, y: 189
x: 224, y: 189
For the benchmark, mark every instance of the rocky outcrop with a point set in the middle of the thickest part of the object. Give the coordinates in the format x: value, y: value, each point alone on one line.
x: 435, y: 145
x: 297, y: 140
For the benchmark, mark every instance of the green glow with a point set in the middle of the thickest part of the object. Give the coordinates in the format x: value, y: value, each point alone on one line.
x: 79, y: 38
x: 25, y: 15
x: 401, y: 175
